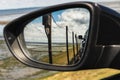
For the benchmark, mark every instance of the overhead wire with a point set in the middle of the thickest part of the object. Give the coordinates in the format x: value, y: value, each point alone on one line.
x: 55, y: 22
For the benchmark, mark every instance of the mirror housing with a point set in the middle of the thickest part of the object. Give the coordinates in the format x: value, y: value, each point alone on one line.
x: 102, y: 48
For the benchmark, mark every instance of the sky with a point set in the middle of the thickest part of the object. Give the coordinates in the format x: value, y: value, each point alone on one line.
x: 13, y: 4
x: 77, y: 20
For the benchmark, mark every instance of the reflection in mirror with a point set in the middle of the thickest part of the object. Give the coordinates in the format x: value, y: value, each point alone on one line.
x: 58, y: 37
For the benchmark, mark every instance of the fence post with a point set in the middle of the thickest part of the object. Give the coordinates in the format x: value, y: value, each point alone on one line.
x: 73, y: 44
x: 67, y: 44
x: 76, y: 43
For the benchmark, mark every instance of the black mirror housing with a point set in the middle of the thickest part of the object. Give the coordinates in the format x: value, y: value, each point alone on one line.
x: 102, y: 48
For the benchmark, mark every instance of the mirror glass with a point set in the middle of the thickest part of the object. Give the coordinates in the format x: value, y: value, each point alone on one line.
x: 58, y: 37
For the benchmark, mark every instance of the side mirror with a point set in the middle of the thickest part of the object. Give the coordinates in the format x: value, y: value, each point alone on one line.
x: 53, y: 37
x: 71, y: 36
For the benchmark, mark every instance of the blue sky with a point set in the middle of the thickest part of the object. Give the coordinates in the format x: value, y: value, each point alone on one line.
x: 8, y: 4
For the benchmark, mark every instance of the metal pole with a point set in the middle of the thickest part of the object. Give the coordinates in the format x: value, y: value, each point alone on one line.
x: 67, y: 44
x: 73, y: 44
x: 49, y: 46
x: 47, y: 24
x: 76, y: 43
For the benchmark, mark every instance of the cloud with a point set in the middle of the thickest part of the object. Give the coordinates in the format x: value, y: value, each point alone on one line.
x: 77, y: 20
x: 35, y: 33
